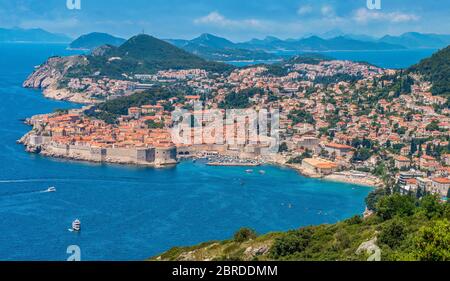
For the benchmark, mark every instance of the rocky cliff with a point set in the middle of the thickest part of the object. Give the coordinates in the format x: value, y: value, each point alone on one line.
x: 49, y: 75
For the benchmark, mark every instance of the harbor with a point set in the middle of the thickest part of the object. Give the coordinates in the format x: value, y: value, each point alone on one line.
x: 232, y: 161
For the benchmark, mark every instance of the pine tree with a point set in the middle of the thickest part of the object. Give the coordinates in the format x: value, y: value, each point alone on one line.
x: 388, y: 144
x: 429, y: 150
x: 419, y: 193
x: 413, y: 147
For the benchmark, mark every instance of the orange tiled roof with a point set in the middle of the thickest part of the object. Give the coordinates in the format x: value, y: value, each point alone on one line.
x: 442, y: 180
x: 338, y: 146
x: 402, y: 158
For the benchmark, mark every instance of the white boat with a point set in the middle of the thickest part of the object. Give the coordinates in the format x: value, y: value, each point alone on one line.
x: 51, y: 189
x: 249, y: 171
x: 76, y: 225
x: 262, y: 172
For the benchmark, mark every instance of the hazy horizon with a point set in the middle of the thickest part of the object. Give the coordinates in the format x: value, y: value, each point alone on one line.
x: 234, y: 20
x: 218, y: 35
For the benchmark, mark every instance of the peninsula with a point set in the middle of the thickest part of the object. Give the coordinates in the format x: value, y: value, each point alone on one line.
x: 338, y: 120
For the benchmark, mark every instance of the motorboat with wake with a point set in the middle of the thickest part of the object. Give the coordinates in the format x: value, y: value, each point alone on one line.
x: 76, y: 226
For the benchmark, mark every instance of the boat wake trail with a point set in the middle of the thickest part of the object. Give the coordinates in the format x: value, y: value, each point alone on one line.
x: 106, y: 180
x: 24, y: 181
x: 10, y: 194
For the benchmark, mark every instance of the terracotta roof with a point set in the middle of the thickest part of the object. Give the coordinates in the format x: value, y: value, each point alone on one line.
x: 427, y: 157
x: 338, y: 146
x: 402, y: 158
x: 192, y: 97
x: 442, y: 180
x: 411, y: 181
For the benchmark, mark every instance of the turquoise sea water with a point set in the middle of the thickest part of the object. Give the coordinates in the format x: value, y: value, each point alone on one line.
x: 131, y: 213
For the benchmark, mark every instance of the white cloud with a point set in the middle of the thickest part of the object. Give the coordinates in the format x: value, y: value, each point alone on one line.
x: 217, y: 19
x: 363, y: 16
x: 327, y: 11
x: 212, y: 18
x: 304, y: 10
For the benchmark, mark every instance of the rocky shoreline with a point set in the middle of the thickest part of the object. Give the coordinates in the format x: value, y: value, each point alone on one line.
x: 65, y: 95
x: 351, y: 180
x: 47, y: 76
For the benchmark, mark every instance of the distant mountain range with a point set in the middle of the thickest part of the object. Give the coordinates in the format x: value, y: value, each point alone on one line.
x: 315, y: 43
x: 209, y: 45
x: 411, y: 40
x: 216, y: 48
x: 212, y: 47
x: 418, y: 40
x: 31, y: 35
x: 95, y: 39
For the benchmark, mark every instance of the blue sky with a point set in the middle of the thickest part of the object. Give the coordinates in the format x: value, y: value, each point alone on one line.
x: 235, y: 19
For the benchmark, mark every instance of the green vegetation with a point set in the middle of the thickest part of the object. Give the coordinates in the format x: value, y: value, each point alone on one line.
x: 276, y: 70
x: 108, y: 111
x: 239, y: 100
x: 109, y: 118
x: 374, y: 197
x: 433, y: 242
x: 364, y: 149
x: 299, y: 159
x: 142, y: 54
x: 395, y: 205
x: 407, y: 228
x: 393, y: 233
x: 436, y: 69
x: 362, y: 154
x: 283, y: 147
x: 310, y: 58
x: 433, y: 126
x: 151, y: 124
x: 301, y: 116
x: 61, y: 111
x: 96, y: 39
x: 245, y: 234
